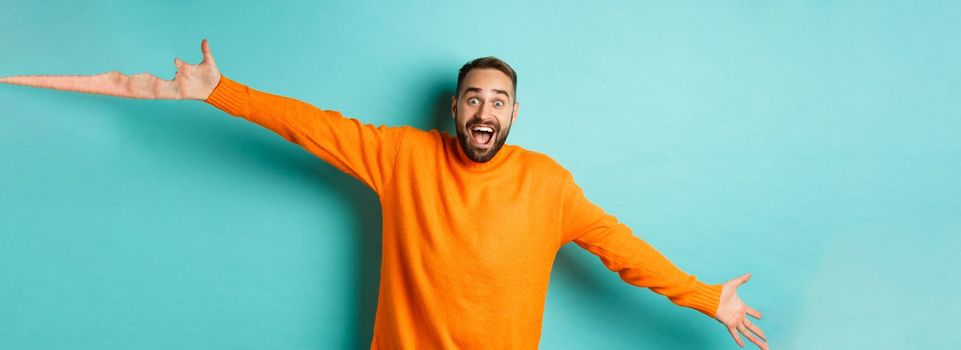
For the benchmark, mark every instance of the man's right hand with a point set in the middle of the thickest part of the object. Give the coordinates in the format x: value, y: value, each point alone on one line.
x: 197, y: 81
x: 191, y: 82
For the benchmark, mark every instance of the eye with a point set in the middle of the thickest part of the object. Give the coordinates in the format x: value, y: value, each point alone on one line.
x: 473, y: 101
x: 498, y: 104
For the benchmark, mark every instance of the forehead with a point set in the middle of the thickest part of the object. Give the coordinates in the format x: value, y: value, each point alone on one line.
x: 487, y: 79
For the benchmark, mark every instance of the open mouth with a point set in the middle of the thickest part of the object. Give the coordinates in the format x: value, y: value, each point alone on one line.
x: 481, y: 135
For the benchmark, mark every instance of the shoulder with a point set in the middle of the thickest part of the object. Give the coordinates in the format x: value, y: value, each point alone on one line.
x: 415, y: 136
x: 422, y: 143
x: 541, y: 163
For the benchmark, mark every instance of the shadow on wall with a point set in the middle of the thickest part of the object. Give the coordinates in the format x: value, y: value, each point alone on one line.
x: 626, y: 312
x: 182, y: 125
x: 436, y: 92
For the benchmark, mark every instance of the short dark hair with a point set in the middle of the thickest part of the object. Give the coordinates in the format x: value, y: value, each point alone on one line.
x: 489, y: 62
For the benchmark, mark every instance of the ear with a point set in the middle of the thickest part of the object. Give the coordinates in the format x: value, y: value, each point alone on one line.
x: 517, y: 107
x: 453, y: 107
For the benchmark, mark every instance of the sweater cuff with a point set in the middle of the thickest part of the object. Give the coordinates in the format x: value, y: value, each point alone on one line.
x: 229, y: 96
x: 705, y: 299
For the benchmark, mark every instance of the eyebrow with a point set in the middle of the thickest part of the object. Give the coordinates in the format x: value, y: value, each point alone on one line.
x: 474, y: 89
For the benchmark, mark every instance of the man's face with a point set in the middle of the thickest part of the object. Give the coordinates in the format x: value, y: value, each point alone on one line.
x: 484, y: 110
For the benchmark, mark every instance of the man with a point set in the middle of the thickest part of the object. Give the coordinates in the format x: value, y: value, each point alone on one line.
x: 471, y: 225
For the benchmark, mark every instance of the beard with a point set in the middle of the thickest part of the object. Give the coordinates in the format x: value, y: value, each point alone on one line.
x: 481, y: 155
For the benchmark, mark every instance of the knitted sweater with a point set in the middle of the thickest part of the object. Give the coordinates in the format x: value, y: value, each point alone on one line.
x: 467, y: 247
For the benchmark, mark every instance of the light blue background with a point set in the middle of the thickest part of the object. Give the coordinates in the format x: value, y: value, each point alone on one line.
x: 814, y: 144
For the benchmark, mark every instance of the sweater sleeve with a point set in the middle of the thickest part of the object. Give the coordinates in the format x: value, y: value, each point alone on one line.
x: 636, y: 261
x: 363, y: 151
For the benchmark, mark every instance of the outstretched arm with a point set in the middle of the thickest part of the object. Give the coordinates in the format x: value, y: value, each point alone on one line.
x: 191, y: 82
x: 640, y: 264
x: 362, y: 150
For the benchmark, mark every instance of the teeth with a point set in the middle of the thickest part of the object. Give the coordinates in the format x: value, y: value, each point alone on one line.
x: 483, y: 128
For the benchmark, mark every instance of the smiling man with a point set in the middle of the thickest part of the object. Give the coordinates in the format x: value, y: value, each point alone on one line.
x: 487, y: 92
x: 471, y: 225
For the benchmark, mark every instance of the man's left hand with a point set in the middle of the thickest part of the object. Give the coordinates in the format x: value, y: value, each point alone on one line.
x: 731, y: 312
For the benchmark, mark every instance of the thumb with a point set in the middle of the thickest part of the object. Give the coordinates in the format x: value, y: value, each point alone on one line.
x: 205, y: 49
x: 743, y: 279
x: 178, y: 63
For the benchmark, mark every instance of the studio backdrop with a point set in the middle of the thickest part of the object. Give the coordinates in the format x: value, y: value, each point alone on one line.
x: 814, y: 144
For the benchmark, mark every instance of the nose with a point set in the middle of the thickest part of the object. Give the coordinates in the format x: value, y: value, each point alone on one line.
x: 484, y: 111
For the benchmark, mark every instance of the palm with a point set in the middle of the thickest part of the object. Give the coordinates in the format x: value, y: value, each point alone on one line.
x: 731, y: 312
x: 197, y: 81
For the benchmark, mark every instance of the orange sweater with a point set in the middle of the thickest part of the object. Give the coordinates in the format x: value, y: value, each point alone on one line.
x: 467, y: 247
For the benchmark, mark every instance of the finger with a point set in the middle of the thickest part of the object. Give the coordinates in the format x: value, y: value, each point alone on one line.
x: 744, y: 278
x: 751, y: 311
x: 112, y: 83
x: 737, y: 339
x: 751, y: 337
x: 179, y: 63
x: 205, y: 48
x: 755, y: 329
x: 149, y: 86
